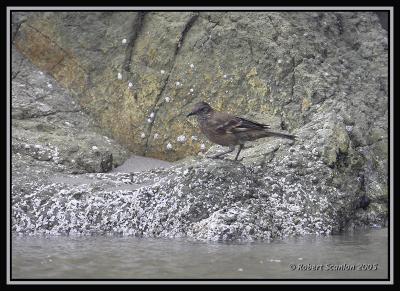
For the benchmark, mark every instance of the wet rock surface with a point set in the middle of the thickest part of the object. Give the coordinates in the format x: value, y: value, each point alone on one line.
x: 320, y: 76
x: 198, y: 198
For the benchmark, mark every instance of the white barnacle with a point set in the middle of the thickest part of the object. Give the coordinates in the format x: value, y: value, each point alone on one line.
x: 142, y: 135
x: 181, y: 138
x: 49, y: 85
x: 119, y: 76
x: 156, y: 136
x: 167, y: 99
x: 162, y: 72
x: 326, y: 74
x: 225, y: 76
x: 130, y: 84
x: 149, y: 120
x: 124, y: 40
x: 202, y: 146
x: 152, y: 115
x: 169, y: 146
x: 194, y: 137
x: 94, y: 148
x: 192, y: 66
x: 279, y: 61
x: 178, y: 83
x: 191, y: 90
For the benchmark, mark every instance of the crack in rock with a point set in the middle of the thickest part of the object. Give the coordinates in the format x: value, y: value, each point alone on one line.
x: 178, y: 47
x: 137, y: 29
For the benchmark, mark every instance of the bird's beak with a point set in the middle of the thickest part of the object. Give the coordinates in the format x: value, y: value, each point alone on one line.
x: 190, y: 114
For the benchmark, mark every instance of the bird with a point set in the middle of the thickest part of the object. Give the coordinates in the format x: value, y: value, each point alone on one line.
x: 229, y: 130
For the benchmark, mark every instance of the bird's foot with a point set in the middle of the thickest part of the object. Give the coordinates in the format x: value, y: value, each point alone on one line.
x: 233, y: 160
x: 215, y: 157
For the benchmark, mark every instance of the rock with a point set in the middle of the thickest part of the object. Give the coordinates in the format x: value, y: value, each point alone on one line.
x: 283, y: 64
x: 197, y: 198
x: 383, y: 18
x: 49, y: 126
x: 319, y: 75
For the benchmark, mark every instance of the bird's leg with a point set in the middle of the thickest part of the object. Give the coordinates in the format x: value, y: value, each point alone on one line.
x: 240, y: 148
x: 231, y: 149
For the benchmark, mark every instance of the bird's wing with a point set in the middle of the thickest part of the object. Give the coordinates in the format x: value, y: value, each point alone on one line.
x: 239, y: 124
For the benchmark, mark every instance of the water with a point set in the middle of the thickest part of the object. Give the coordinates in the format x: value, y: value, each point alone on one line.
x: 107, y: 257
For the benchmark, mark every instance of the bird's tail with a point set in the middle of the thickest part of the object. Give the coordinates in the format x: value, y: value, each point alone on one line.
x: 280, y: 134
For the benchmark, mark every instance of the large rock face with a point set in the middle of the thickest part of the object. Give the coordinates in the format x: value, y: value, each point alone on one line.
x: 285, y: 64
x: 322, y: 76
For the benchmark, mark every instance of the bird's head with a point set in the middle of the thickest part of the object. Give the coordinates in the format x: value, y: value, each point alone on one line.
x: 201, y: 108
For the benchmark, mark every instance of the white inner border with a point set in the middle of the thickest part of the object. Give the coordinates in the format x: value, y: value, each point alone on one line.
x: 193, y: 8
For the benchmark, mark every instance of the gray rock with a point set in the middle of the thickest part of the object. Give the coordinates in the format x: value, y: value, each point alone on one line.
x: 198, y: 198
x: 49, y: 126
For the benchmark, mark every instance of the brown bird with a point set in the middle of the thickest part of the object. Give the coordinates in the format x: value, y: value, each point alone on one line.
x: 229, y: 130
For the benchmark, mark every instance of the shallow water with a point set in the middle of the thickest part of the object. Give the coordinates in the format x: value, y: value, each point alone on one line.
x: 110, y: 257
